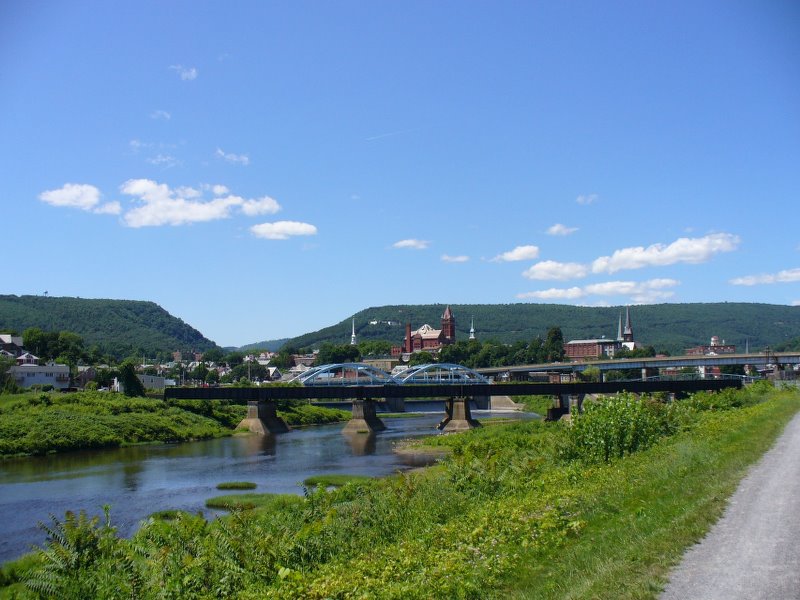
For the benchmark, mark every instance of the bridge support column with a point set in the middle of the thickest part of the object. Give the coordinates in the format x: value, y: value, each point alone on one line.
x: 458, y: 416
x: 263, y: 418
x: 482, y: 402
x: 396, y: 404
x: 365, y: 419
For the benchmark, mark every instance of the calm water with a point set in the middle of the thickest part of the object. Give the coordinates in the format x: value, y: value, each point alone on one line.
x: 140, y: 480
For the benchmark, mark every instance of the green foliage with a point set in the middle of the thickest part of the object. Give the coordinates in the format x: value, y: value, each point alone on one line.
x: 117, y: 327
x: 337, y: 353
x: 236, y: 485
x: 131, y: 384
x: 334, y: 479
x: 612, y: 428
x: 42, y: 423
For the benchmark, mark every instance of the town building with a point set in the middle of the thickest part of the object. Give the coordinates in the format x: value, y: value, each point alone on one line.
x: 428, y: 339
x: 715, y: 347
x: 592, y: 349
x: 11, y: 344
x: 27, y: 374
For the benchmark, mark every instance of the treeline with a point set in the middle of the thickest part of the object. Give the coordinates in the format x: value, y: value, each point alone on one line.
x: 119, y: 328
x: 670, y: 328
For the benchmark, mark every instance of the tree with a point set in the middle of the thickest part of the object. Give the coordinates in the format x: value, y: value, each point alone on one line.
x: 341, y: 353
x: 420, y: 358
x: 7, y: 383
x: 554, y: 345
x: 214, y: 355
x: 131, y: 384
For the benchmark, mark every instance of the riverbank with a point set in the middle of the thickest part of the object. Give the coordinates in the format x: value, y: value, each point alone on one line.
x: 601, y: 508
x: 42, y: 423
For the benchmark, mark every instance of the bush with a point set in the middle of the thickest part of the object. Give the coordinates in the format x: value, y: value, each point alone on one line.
x: 613, y: 427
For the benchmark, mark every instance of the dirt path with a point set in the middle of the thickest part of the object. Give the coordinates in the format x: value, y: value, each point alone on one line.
x: 753, y: 552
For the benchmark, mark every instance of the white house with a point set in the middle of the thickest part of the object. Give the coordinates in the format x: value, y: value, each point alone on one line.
x: 30, y: 374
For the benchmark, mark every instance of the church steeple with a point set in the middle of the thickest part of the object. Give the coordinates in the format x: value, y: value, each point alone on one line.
x: 472, y: 329
x: 619, y: 328
x: 449, y: 325
x: 627, y: 333
x: 353, y: 335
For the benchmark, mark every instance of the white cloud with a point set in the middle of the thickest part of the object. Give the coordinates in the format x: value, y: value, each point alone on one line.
x: 160, y: 115
x: 412, y: 244
x: 454, y: 259
x: 260, y: 206
x: 550, y: 269
x: 795, y: 302
x: 785, y: 276
x: 73, y: 195
x: 282, y: 230
x: 640, y: 292
x: 518, y: 253
x: 238, y: 159
x: 219, y: 190
x: 554, y: 294
x: 586, y: 199
x: 559, y: 229
x: 682, y: 250
x: 185, y: 73
x: 159, y: 205
x: 109, y: 208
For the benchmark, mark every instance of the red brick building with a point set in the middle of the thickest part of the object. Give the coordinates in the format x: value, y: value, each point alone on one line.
x: 428, y: 339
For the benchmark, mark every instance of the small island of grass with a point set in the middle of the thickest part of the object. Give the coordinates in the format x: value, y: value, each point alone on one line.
x: 236, y: 485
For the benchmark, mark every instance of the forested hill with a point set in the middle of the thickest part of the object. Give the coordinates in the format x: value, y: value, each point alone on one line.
x: 667, y: 327
x: 118, y: 327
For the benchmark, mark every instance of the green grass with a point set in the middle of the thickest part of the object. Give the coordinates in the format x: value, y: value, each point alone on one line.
x: 236, y: 485
x: 166, y: 515
x: 335, y: 480
x: 644, y: 512
x: 264, y: 502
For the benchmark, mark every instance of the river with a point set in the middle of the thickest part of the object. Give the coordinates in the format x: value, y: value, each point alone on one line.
x: 139, y: 480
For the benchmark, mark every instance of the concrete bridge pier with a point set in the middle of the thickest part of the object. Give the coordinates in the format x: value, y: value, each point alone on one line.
x: 365, y: 418
x: 458, y: 416
x: 482, y: 402
x: 396, y: 404
x: 262, y: 417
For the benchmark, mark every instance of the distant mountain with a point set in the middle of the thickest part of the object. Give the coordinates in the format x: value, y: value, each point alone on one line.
x: 667, y: 327
x: 118, y: 327
x: 271, y: 345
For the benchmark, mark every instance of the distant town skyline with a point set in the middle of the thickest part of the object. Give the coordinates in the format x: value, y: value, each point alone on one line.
x: 266, y: 169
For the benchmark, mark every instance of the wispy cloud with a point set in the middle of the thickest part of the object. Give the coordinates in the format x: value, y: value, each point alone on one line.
x: 412, y: 244
x: 559, y: 229
x: 81, y: 196
x: 454, y: 259
x: 585, y: 199
x: 550, y: 269
x: 161, y: 115
x: 185, y: 73
x: 238, y: 159
x: 785, y: 276
x: 388, y: 134
x: 640, y: 292
x: 682, y: 250
x: 282, y: 230
x: 518, y: 253
x: 163, y: 160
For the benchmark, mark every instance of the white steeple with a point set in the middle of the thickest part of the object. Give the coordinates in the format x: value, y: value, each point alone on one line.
x: 472, y: 329
x: 353, y: 335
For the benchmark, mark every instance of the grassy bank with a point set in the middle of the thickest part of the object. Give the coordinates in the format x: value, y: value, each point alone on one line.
x: 598, y: 509
x: 39, y: 423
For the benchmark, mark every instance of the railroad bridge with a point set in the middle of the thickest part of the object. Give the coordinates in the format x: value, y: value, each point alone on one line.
x: 365, y: 385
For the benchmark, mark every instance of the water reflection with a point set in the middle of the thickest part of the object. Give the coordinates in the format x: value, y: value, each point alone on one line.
x: 361, y: 443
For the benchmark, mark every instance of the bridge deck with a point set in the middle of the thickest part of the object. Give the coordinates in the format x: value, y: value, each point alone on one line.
x: 445, y: 390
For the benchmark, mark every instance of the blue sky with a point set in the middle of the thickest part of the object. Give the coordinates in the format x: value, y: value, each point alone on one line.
x: 264, y: 169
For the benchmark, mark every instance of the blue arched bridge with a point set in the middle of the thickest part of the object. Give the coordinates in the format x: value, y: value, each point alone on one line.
x: 349, y: 374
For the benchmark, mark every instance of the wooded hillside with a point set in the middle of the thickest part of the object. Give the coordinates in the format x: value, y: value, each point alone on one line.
x: 667, y: 327
x: 118, y: 327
